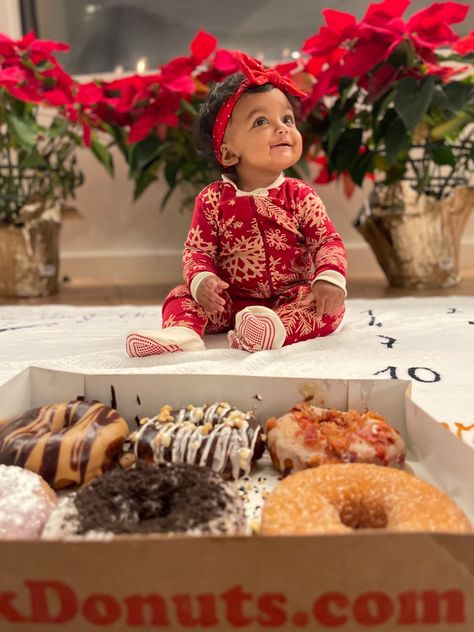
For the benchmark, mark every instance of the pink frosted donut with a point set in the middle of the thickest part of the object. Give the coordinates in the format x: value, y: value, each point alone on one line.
x: 26, y: 502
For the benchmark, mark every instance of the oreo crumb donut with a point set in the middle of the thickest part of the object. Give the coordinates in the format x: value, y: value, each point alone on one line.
x: 26, y: 502
x: 309, y: 436
x: 217, y: 436
x: 66, y: 444
x: 166, y: 498
x: 344, y: 497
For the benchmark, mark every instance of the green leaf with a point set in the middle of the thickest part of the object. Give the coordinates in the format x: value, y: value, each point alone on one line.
x: 346, y: 150
x: 143, y: 182
x: 57, y: 128
x: 189, y: 107
x: 466, y: 59
x: 441, y: 100
x: 171, y: 172
x: 335, y: 130
x: 443, y: 155
x: 451, y: 128
x: 413, y: 99
x: 146, y: 151
x: 25, y: 131
x: 360, y: 167
x: 102, y: 155
x: 33, y: 160
x: 459, y: 95
x: 396, y: 141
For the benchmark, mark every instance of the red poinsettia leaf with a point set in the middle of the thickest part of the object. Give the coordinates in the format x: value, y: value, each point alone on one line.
x: 56, y: 96
x: 89, y: 93
x: 225, y: 62
x: 167, y: 118
x: 202, y: 46
x: 13, y: 74
x: 183, y: 84
x: 379, y: 83
x: 142, y: 127
x: 86, y: 133
x: 339, y: 21
x: 363, y: 57
x: 348, y: 185
x: 177, y: 67
x: 431, y: 24
x: 465, y: 45
x: 48, y: 46
x: 26, y: 40
x: 28, y: 93
x: 445, y: 73
x: 439, y: 12
x: 323, y: 42
x: 383, y: 12
x: 7, y: 46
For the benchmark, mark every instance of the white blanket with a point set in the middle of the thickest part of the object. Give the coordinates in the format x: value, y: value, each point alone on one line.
x: 427, y: 340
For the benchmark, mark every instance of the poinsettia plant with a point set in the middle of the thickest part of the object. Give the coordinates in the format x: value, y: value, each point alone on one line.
x: 391, y: 97
x: 152, y: 118
x: 45, y: 115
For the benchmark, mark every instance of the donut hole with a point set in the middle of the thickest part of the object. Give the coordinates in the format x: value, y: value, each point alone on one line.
x: 363, y: 513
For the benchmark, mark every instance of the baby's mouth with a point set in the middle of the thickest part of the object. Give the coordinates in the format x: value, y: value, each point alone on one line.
x: 281, y: 145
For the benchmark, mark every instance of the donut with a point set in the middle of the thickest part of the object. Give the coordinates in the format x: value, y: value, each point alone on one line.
x: 309, y: 436
x: 217, y: 435
x: 26, y: 502
x: 343, y: 497
x: 150, y: 498
x: 66, y: 444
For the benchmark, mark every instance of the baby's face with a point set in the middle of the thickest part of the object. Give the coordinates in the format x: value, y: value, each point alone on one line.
x: 261, y: 134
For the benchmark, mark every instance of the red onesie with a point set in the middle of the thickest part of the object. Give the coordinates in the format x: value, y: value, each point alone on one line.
x: 269, y: 246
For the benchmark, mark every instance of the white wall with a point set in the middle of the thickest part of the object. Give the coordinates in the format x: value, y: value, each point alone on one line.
x: 115, y: 238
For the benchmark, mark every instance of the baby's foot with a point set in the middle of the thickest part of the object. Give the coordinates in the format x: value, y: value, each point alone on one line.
x: 256, y: 329
x: 168, y: 340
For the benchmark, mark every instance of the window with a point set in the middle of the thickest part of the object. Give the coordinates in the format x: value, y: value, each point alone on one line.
x: 131, y: 35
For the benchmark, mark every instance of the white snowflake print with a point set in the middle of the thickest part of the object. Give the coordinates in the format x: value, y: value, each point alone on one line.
x: 243, y: 258
x: 277, y: 239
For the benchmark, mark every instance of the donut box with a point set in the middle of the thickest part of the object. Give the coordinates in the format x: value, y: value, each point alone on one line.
x: 367, y: 580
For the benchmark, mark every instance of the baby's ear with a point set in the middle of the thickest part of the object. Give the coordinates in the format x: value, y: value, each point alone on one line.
x: 228, y: 158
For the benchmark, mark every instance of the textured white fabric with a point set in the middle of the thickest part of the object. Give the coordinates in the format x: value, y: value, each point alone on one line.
x: 428, y: 340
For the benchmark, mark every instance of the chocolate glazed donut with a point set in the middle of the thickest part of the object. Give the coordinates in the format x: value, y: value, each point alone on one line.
x: 68, y: 443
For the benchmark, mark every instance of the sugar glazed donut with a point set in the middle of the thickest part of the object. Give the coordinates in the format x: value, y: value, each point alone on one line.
x: 343, y: 497
x: 146, y: 499
x: 26, y: 502
x: 217, y: 436
x: 67, y: 444
x: 309, y: 436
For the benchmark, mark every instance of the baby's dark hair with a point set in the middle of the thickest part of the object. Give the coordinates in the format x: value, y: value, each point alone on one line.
x: 209, y: 110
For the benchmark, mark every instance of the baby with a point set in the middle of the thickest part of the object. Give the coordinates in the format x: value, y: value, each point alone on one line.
x: 262, y: 261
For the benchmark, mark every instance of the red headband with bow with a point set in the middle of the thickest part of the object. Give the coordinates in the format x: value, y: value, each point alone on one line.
x: 256, y: 75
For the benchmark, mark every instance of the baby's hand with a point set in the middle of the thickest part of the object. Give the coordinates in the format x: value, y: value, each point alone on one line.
x: 208, y: 294
x: 329, y: 298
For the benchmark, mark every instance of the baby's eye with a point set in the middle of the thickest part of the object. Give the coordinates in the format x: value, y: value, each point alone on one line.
x: 260, y: 121
x: 288, y: 120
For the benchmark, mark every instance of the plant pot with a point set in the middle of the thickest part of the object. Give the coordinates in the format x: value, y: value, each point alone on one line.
x: 29, y: 252
x: 415, y: 239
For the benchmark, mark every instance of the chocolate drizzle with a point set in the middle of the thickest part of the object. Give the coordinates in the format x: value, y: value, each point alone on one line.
x: 56, y: 441
x: 217, y: 436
